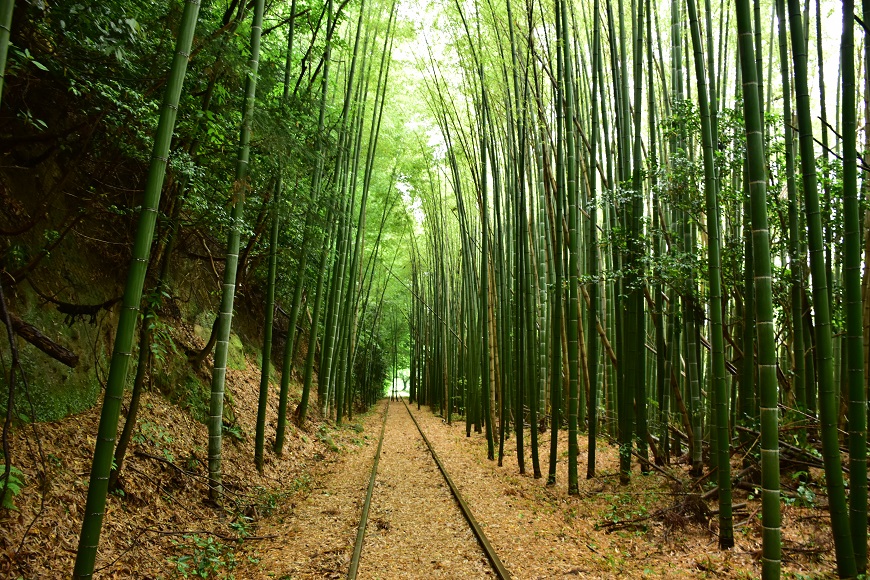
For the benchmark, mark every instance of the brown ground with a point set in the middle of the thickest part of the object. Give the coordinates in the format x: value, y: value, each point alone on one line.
x: 415, y: 527
x: 163, y: 526
x: 299, y: 519
x: 314, y: 537
x: 542, y: 532
x: 538, y: 531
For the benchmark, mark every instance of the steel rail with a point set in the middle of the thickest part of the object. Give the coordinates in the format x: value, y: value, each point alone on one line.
x: 364, y: 518
x: 500, y: 569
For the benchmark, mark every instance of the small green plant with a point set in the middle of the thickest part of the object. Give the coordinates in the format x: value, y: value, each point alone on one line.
x: 301, y: 483
x: 267, y: 500
x: 162, y: 343
x: 17, y: 255
x: 56, y: 462
x: 151, y: 432
x: 805, y: 496
x: 570, y: 515
x: 13, y: 487
x: 209, y: 559
x: 624, y: 507
x: 242, y: 527
x: 326, y: 438
x: 158, y: 436
x: 191, y: 463
x: 755, y: 493
x: 234, y: 432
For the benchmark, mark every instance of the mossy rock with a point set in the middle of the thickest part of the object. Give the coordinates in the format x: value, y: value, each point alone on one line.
x: 236, y: 354
x: 185, y: 389
x: 202, y: 324
x: 53, y: 390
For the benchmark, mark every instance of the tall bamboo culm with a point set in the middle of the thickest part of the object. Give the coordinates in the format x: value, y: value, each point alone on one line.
x: 225, y: 318
x: 764, y: 326
x: 101, y: 466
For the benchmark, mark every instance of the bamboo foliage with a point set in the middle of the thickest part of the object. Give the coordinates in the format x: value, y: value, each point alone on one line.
x: 665, y: 324
x: 650, y: 215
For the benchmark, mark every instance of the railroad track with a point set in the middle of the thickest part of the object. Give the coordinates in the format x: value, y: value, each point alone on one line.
x: 496, y: 564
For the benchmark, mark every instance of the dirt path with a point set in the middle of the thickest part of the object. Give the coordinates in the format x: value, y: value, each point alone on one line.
x: 313, y: 538
x: 415, y: 527
x: 416, y: 530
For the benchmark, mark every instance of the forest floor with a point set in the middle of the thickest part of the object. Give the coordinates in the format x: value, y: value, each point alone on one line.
x: 161, y: 524
x: 540, y: 531
x: 415, y: 528
x: 299, y: 518
x: 649, y: 528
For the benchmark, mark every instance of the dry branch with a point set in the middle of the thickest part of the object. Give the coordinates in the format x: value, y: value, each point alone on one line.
x: 35, y: 337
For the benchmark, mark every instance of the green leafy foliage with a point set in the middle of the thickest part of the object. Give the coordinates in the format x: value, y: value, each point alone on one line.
x: 370, y: 373
x: 324, y: 436
x: 203, y: 557
x: 12, y: 486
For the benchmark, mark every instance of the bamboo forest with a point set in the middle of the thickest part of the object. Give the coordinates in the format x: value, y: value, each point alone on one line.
x: 434, y: 289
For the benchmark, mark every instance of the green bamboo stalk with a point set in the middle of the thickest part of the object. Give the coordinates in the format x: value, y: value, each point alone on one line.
x: 538, y: 397
x: 334, y: 292
x: 287, y: 361
x: 484, y: 280
x: 240, y: 186
x: 636, y: 319
x: 573, y: 254
x: 823, y: 117
x: 661, y: 376
x: 101, y: 466
x: 146, y: 329
x: 795, y: 264
x: 821, y: 305
x: 288, y: 63
x: 331, y: 331
x: 747, y: 387
x: 852, y: 266
x: 302, y: 408
x: 556, y: 317
x: 771, y: 533
x: 523, y: 355
x: 269, y: 315
x: 6, y: 9
x: 714, y: 269
x: 592, y: 320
